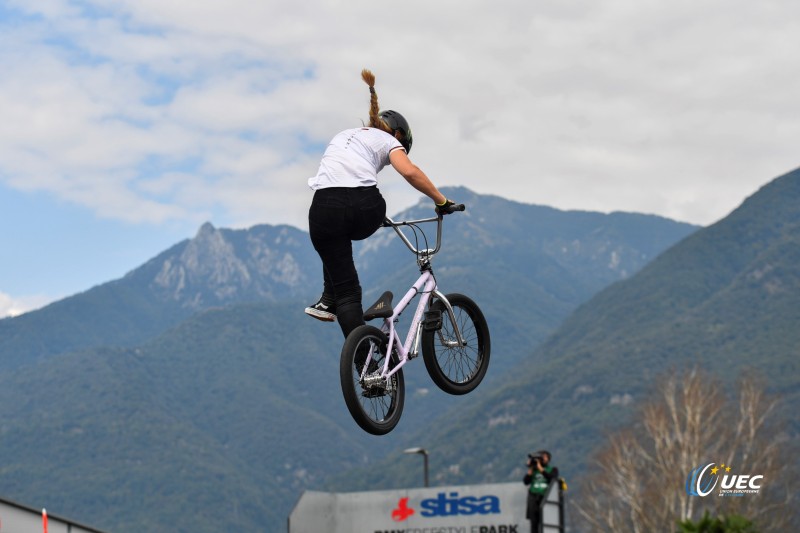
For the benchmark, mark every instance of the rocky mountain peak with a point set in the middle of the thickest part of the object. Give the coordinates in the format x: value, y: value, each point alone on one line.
x: 208, y: 260
x: 220, y: 266
x: 206, y: 229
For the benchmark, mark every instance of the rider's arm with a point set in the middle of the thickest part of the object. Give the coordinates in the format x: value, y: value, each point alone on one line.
x: 415, y: 176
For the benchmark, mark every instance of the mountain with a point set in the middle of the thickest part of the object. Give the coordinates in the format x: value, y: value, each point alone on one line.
x: 726, y: 298
x: 194, y: 395
x: 557, y: 258
x: 182, y: 429
x: 217, y: 267
x: 527, y: 266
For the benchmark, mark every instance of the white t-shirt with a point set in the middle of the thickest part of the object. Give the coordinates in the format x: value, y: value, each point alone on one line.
x: 353, y: 159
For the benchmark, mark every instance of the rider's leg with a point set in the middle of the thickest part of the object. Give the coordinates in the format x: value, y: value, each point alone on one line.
x: 327, y: 287
x: 337, y: 256
x: 367, y: 211
x: 337, y: 216
x: 349, y: 311
x: 328, y: 221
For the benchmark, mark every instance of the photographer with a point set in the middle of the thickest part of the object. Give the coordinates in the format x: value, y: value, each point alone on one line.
x: 539, y: 476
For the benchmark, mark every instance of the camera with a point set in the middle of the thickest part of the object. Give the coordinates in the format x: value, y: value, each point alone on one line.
x: 533, y: 457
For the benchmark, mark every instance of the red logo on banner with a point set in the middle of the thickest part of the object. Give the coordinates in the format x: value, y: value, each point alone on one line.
x: 403, y: 511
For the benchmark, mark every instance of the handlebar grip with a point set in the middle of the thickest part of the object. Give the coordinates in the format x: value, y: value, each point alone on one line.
x: 449, y: 208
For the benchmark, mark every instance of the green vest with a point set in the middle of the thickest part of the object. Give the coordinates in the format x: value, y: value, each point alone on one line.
x: 539, y: 482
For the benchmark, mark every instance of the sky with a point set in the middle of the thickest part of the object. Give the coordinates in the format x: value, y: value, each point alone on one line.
x: 125, y: 125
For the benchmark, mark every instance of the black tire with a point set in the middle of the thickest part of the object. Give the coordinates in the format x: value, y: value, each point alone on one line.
x: 457, y: 369
x: 374, y: 408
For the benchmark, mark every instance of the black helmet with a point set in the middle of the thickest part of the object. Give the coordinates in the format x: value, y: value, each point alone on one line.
x: 396, y: 121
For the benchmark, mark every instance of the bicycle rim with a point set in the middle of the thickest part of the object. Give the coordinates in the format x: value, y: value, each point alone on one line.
x: 374, y: 405
x: 458, y: 369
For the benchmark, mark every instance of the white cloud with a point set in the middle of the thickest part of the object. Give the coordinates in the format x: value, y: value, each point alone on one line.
x: 10, y: 306
x: 150, y: 110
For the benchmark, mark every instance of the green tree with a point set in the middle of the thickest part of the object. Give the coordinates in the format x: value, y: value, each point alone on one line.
x: 725, y: 524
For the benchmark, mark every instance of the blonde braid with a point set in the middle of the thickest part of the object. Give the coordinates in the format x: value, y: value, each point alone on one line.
x: 374, y: 120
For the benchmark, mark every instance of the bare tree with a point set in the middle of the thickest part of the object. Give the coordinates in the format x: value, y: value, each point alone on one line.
x: 763, y: 449
x: 638, y: 478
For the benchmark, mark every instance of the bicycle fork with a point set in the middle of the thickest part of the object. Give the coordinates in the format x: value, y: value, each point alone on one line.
x: 459, y: 341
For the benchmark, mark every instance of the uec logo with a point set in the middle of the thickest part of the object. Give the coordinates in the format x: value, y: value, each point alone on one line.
x: 694, y: 482
x: 700, y: 484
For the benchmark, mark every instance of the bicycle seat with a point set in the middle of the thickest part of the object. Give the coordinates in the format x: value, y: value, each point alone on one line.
x: 380, y: 309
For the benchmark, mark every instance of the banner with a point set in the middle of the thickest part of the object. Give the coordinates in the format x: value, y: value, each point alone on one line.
x: 492, y: 508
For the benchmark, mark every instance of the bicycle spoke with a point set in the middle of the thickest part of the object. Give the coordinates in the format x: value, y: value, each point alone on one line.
x: 375, y: 405
x: 455, y: 367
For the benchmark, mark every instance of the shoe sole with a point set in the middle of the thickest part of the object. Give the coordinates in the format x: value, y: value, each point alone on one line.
x: 320, y: 315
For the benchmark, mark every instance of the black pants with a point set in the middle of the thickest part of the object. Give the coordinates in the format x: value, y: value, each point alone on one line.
x: 338, y: 216
x: 534, y: 511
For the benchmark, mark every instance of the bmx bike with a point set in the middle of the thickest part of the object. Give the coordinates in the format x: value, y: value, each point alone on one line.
x: 450, y: 329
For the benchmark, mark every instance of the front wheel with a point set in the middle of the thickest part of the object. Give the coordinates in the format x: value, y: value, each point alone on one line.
x: 457, y: 369
x: 374, y: 403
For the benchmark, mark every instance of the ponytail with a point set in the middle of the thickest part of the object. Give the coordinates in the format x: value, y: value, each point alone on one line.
x: 375, y: 121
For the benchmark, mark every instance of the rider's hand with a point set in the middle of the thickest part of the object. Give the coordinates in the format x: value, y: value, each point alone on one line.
x: 445, y: 208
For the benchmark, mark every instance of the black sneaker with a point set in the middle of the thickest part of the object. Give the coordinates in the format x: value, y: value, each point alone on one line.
x: 324, y: 310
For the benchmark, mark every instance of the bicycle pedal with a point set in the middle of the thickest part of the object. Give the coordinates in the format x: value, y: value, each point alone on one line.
x: 432, y: 321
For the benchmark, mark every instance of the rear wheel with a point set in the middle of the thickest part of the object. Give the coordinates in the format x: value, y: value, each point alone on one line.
x: 374, y: 403
x: 457, y: 369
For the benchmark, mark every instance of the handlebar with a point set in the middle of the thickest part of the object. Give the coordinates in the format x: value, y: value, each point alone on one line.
x: 456, y: 207
x: 389, y: 223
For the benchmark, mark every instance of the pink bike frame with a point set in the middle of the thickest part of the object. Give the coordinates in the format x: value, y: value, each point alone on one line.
x: 425, y: 286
